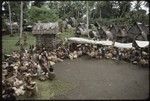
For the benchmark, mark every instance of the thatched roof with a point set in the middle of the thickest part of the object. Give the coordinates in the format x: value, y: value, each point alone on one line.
x: 142, y: 44
x: 14, y: 25
x: 114, y: 29
x: 107, y: 32
x: 121, y: 32
x: 139, y: 29
x: 118, y: 29
x: 45, y: 28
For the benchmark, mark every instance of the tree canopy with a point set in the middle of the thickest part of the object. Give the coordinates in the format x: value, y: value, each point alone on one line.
x: 105, y: 12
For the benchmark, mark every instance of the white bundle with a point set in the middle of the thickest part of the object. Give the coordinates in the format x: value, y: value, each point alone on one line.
x: 142, y: 44
x: 123, y: 45
x: 83, y: 40
x: 75, y: 54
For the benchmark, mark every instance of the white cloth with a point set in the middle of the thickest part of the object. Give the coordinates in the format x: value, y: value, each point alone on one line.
x: 123, y: 45
x: 142, y: 44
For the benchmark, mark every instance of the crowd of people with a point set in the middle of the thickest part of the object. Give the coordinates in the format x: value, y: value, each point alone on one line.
x: 21, y: 68
x: 132, y: 55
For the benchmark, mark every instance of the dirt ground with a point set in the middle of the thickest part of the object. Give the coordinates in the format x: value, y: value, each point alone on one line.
x: 103, y: 79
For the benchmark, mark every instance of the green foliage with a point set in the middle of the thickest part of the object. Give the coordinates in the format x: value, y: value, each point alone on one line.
x: 42, y: 14
x: 67, y: 34
x: 111, y: 11
x: 72, y: 9
x: 38, y: 3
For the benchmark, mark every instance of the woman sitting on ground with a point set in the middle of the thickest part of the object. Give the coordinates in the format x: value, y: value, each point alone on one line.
x: 30, y: 86
x: 51, y: 73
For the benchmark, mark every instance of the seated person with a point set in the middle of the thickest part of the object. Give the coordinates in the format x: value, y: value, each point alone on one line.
x: 9, y: 94
x: 60, y: 54
x: 79, y: 52
x: 30, y: 86
x: 18, y: 87
x: 22, y: 68
x: 98, y: 54
x: 53, y: 57
x: 92, y: 53
x: 51, y: 73
x: 73, y: 55
x: 143, y: 62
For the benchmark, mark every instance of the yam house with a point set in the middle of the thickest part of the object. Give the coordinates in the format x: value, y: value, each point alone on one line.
x: 105, y: 34
x: 45, y: 34
x: 138, y: 31
x: 119, y: 33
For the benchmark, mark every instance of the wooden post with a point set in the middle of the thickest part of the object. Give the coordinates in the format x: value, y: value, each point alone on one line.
x: 21, y: 20
x: 100, y: 15
x: 10, y: 19
x: 87, y: 14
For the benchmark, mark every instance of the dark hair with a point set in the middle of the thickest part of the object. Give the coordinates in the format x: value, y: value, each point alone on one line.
x: 51, y: 69
x: 10, y: 62
x: 10, y: 91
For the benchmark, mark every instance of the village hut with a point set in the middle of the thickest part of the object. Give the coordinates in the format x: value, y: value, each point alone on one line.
x: 81, y: 30
x: 104, y: 33
x: 138, y: 32
x: 72, y: 21
x: 147, y: 31
x: 114, y: 29
x: 45, y: 34
x: 119, y: 32
x: 121, y: 35
x: 15, y: 27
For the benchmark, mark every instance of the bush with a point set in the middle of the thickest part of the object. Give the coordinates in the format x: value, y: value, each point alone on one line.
x: 42, y: 14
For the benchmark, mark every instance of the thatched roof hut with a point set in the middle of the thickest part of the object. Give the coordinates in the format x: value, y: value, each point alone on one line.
x: 104, y: 34
x: 117, y: 29
x: 45, y: 34
x: 45, y: 28
x: 15, y: 26
x: 72, y: 21
x: 121, y: 35
x: 114, y: 29
x: 138, y: 32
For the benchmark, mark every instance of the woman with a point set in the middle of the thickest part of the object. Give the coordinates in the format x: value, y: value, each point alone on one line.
x: 51, y: 73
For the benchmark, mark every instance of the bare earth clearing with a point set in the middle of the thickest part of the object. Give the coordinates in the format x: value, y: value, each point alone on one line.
x: 103, y: 79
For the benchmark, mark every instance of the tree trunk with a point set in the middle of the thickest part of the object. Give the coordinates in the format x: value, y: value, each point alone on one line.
x: 87, y: 15
x: 11, y: 34
x: 21, y: 21
x: 100, y: 15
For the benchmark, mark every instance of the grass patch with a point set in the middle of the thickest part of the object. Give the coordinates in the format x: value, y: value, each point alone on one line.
x: 48, y: 89
x: 8, y: 43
